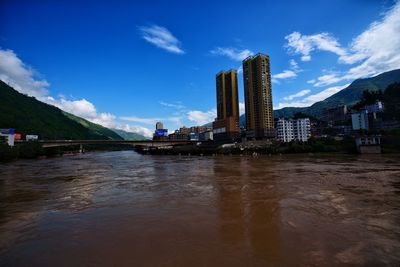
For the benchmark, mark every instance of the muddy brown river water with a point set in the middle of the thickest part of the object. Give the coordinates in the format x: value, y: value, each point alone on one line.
x: 126, y: 209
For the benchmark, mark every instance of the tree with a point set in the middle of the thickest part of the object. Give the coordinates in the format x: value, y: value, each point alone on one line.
x: 368, y: 97
x: 391, y: 101
x: 301, y: 115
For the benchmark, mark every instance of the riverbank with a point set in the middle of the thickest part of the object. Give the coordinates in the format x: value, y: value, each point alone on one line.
x: 256, y: 147
x: 32, y: 150
x: 390, y: 144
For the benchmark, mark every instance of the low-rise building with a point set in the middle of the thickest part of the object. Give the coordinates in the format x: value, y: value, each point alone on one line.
x: 193, y: 137
x: 335, y: 115
x: 199, y: 129
x: 177, y: 135
x: 31, y: 137
x: 8, y: 135
x: 289, y: 130
x: 226, y: 129
x: 184, y: 130
x: 206, y: 136
x: 359, y: 120
x: 368, y: 144
x: 375, y: 107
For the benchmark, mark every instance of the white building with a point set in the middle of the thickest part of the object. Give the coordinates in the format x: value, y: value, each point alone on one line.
x: 284, y: 130
x: 9, y: 136
x: 289, y: 130
x: 359, y: 120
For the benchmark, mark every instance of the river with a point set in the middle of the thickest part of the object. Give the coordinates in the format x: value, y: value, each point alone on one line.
x: 125, y: 209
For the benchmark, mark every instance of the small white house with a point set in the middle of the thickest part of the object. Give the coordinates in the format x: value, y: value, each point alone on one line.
x: 359, y: 120
x: 31, y: 137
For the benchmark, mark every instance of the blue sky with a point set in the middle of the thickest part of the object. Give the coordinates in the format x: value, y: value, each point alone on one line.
x: 127, y: 64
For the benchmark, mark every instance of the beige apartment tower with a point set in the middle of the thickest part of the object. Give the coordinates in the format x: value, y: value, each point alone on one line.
x: 258, y: 97
x: 226, y: 125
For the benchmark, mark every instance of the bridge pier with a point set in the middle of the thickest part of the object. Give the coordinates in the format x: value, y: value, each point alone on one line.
x: 81, y: 149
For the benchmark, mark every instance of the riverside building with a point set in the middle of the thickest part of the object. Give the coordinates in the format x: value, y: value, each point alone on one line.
x: 289, y: 130
x: 226, y: 125
x: 258, y: 97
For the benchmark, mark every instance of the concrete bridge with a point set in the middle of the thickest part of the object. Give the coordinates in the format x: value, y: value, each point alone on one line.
x: 143, y: 143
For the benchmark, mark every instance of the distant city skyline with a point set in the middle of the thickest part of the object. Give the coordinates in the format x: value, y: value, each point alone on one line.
x: 127, y: 66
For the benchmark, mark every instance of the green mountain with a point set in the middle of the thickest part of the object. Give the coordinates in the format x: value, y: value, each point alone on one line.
x: 29, y: 116
x: 129, y: 135
x: 348, y: 96
x: 94, y: 128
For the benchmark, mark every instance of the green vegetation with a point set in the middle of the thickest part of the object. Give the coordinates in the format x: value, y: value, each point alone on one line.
x: 7, y: 153
x: 129, y: 136
x: 322, y: 145
x: 30, y: 116
x: 391, y: 100
x: 28, y: 150
x: 368, y: 98
x: 94, y: 128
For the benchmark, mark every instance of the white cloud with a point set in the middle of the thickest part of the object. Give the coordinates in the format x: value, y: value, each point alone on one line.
x: 176, y: 105
x: 298, y: 94
x: 140, y: 120
x: 105, y: 119
x: 81, y: 108
x: 327, y: 79
x: 305, y: 44
x: 242, y: 108
x: 305, y: 58
x: 376, y: 50
x: 293, y: 64
x: 232, y: 53
x: 285, y: 74
x: 136, y: 129
x: 378, y: 46
x: 311, y: 81
x: 152, y: 121
x: 311, y: 99
x: 200, y: 117
x: 162, y: 38
x: 20, y: 76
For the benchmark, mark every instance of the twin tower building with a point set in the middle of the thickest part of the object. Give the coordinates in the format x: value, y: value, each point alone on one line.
x: 258, y: 101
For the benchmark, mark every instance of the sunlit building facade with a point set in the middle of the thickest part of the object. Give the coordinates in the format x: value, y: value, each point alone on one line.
x: 226, y: 125
x: 258, y: 97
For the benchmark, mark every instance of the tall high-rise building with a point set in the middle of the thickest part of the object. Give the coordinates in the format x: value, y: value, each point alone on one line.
x: 258, y: 97
x: 226, y: 125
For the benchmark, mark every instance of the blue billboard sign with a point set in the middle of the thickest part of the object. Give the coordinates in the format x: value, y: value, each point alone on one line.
x: 161, y: 132
x: 9, y: 131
